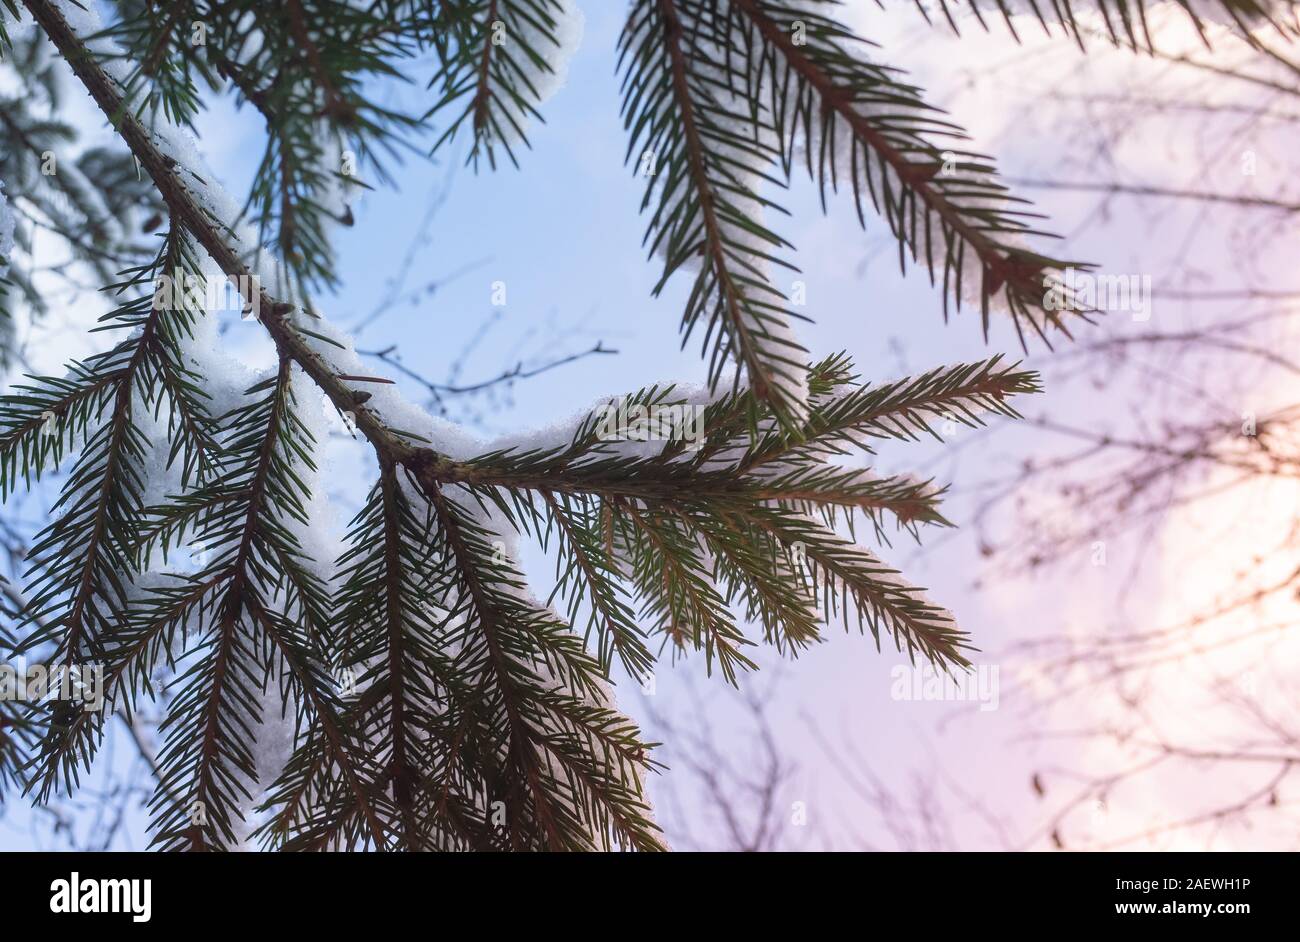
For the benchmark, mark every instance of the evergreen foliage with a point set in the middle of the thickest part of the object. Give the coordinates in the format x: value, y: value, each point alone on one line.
x: 431, y: 699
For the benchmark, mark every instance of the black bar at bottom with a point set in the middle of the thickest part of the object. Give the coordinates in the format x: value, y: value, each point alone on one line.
x: 1043, y: 892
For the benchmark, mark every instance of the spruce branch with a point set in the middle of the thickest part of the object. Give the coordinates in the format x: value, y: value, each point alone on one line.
x: 260, y: 609
x: 678, y: 594
x: 315, y: 58
x: 391, y: 639
x: 219, y: 693
x: 855, y: 413
x: 84, y: 561
x: 20, y: 729
x: 493, y: 53
x: 334, y: 758
x: 220, y: 765
x: 703, y: 174
x: 571, y: 764
x: 859, y: 121
x: 585, y: 570
x: 482, y: 720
